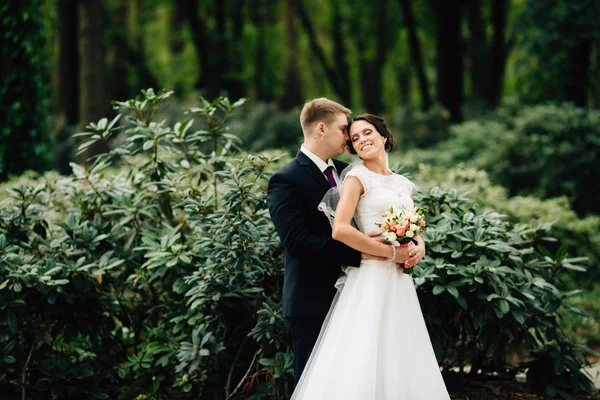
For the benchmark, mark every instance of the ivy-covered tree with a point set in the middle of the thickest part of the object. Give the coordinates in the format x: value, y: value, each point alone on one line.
x: 23, y: 92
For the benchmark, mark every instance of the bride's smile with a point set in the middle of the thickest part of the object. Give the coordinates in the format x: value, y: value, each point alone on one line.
x: 369, y: 144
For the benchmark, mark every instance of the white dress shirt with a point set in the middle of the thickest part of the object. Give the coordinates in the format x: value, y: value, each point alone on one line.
x: 322, y: 165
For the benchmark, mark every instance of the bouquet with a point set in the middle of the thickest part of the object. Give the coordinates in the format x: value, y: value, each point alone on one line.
x: 400, y: 225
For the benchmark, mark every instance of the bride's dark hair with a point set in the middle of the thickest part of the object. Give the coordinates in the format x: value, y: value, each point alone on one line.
x: 379, y: 125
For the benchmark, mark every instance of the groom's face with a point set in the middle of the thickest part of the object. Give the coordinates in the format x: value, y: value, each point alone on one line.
x: 336, y: 134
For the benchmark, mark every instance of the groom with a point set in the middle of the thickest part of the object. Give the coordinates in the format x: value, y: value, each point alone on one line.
x: 312, y: 257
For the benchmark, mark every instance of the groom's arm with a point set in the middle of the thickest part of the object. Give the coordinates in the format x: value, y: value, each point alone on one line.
x: 289, y: 216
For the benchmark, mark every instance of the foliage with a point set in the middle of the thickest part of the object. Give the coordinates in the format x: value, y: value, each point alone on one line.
x: 145, y: 271
x: 581, y: 235
x: 23, y: 94
x: 557, y: 154
x: 542, y: 150
x: 486, y: 284
x: 156, y: 273
x: 585, y: 327
x: 547, y: 151
x: 552, y: 39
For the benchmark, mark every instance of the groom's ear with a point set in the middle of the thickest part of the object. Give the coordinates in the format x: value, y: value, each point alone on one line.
x: 321, y: 128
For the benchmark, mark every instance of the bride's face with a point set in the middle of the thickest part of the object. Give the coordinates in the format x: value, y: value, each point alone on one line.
x: 366, y: 140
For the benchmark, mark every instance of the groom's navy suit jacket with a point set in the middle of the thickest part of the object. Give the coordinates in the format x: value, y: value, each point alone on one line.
x: 312, y: 257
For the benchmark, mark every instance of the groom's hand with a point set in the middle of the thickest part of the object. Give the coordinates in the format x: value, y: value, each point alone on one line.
x: 366, y: 256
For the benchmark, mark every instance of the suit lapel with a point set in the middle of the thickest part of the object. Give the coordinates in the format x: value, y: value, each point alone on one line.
x: 313, y: 171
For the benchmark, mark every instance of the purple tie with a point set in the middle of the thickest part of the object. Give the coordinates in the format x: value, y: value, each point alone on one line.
x: 329, y: 174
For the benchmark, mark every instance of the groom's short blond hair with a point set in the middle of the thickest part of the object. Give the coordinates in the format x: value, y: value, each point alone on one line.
x: 320, y: 110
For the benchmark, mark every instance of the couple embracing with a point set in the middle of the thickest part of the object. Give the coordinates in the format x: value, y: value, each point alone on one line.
x: 366, y: 340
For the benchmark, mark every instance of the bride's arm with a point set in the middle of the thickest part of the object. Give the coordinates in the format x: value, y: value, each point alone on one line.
x: 349, y: 235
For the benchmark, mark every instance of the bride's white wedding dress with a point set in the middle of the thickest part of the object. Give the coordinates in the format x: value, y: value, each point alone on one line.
x: 374, y: 344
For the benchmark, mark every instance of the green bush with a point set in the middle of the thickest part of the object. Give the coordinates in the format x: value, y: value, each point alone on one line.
x: 556, y: 155
x: 422, y: 129
x: 142, y: 276
x: 265, y: 126
x: 157, y: 272
x: 487, y: 284
x: 580, y: 234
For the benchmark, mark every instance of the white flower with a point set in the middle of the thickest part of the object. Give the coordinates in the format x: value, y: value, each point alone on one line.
x: 413, y: 227
x: 389, y: 236
x: 414, y: 218
x: 409, y: 234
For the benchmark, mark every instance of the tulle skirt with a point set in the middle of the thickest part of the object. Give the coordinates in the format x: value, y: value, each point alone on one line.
x: 374, y: 344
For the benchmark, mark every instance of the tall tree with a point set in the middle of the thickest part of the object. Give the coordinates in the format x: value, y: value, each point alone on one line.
x: 218, y: 46
x: 293, y: 84
x: 376, y: 34
x: 415, y: 52
x: 93, y: 105
x: 487, y: 56
x: 120, y: 86
x: 261, y: 16
x: 233, y: 81
x: 68, y: 61
x: 337, y: 71
x: 449, y: 55
x: 68, y: 84
x: 500, y: 49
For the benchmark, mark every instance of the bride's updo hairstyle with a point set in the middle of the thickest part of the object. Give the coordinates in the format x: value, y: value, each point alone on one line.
x: 379, y: 125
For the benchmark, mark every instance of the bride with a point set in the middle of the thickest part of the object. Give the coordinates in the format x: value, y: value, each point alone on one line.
x: 374, y: 344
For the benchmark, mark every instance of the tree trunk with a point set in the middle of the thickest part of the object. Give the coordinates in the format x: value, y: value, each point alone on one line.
x: 213, y: 81
x: 488, y: 60
x: 499, y: 50
x: 176, y: 39
x: 371, y: 69
x: 449, y: 55
x: 93, y: 105
x: 404, y: 83
x: 292, y: 96
x: 479, y: 54
x: 68, y: 61
x: 416, y: 54
x: 340, y: 52
x: 262, y: 84
x: 233, y: 81
x: 577, y: 81
x: 120, y: 85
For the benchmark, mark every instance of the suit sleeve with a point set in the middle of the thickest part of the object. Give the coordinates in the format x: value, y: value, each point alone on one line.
x: 289, y: 216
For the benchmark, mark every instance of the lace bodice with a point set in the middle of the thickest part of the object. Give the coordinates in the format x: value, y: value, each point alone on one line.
x: 381, y: 192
